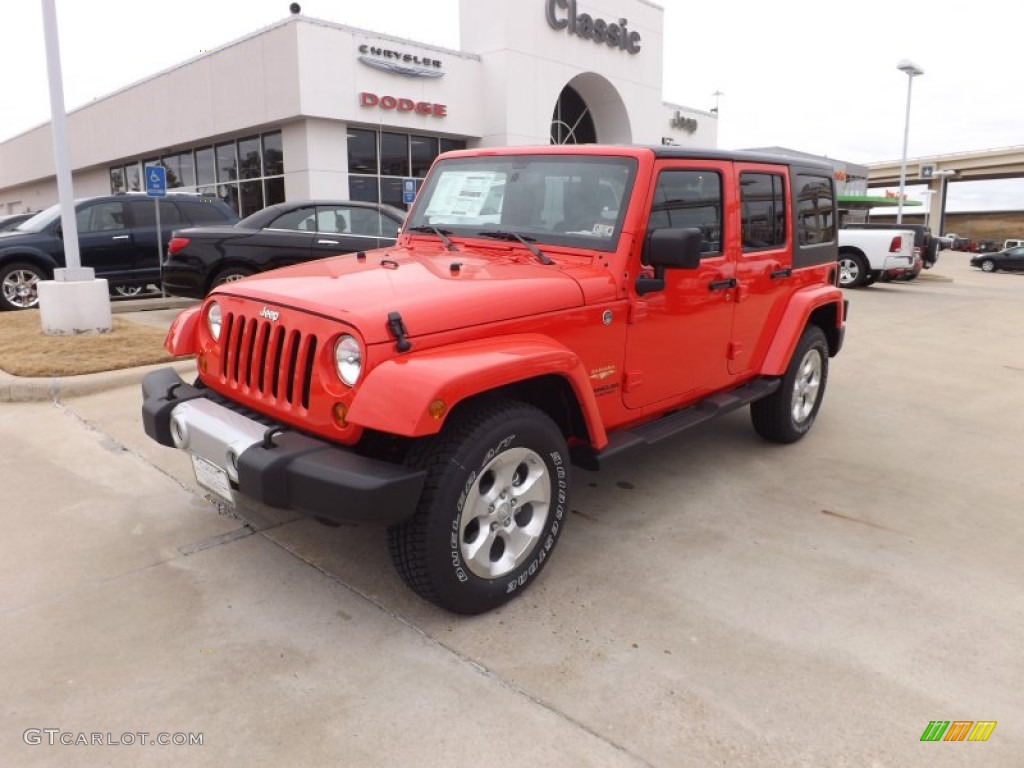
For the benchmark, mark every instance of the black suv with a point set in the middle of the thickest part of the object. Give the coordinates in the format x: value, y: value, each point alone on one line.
x: 928, y: 246
x: 116, y: 237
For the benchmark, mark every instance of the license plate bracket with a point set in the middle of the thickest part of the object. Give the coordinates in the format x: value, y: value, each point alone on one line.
x: 213, y: 478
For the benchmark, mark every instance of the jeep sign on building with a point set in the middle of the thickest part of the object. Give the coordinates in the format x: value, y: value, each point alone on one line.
x: 307, y: 108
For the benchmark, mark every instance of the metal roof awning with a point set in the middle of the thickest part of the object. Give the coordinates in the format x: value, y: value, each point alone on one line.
x: 873, y: 201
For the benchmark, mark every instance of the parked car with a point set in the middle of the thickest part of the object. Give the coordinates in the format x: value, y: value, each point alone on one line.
x: 11, y: 220
x: 287, y: 233
x: 117, y: 237
x: 1011, y: 260
x: 923, y: 239
x: 988, y: 246
x: 1012, y: 244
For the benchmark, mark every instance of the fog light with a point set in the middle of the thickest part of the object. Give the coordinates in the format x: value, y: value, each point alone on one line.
x: 339, y: 412
x: 179, y: 433
x: 437, y: 409
x: 232, y: 465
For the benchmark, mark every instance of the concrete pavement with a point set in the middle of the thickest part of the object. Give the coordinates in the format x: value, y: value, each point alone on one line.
x: 714, y: 601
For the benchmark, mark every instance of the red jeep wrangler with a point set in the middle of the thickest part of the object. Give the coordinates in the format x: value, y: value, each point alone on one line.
x: 542, y: 307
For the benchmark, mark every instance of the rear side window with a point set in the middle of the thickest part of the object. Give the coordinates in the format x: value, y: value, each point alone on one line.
x: 144, y: 213
x: 366, y: 221
x: 689, y: 199
x: 301, y: 219
x: 815, y: 214
x: 762, y: 210
x: 199, y: 212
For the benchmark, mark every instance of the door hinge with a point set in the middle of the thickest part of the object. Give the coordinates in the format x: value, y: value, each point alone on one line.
x: 734, y: 350
x: 637, y: 312
x: 632, y: 381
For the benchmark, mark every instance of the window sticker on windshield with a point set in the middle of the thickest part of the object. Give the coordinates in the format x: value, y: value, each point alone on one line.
x: 462, y: 193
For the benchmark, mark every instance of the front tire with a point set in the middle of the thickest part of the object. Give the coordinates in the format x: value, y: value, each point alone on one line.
x: 988, y: 266
x: 19, y: 286
x: 493, y: 506
x: 788, y: 414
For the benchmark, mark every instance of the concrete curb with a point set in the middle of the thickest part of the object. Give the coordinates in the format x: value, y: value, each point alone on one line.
x: 18, y: 389
x: 157, y: 302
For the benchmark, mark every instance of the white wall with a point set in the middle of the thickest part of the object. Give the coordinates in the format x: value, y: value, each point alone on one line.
x: 332, y: 77
x: 526, y: 64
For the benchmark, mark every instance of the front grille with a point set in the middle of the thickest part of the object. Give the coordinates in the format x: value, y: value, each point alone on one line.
x: 267, y: 360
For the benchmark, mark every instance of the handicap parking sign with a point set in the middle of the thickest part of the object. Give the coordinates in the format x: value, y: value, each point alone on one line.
x: 156, y: 181
x: 408, y: 190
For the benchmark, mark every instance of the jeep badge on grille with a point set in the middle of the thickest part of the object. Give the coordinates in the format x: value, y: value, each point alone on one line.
x: 269, y: 314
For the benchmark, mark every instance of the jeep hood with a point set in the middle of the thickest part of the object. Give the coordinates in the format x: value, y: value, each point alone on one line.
x: 429, y: 292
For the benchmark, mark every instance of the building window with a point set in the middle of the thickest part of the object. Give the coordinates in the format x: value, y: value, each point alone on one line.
x: 206, y: 173
x: 247, y: 174
x: 378, y: 161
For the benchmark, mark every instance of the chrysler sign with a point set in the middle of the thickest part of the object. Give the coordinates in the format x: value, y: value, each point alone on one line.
x: 561, y: 14
x: 408, y: 64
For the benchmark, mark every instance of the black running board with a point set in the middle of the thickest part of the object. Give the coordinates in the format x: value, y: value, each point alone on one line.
x: 672, y: 424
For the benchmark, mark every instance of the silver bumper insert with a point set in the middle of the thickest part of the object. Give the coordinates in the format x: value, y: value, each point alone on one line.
x: 215, y: 433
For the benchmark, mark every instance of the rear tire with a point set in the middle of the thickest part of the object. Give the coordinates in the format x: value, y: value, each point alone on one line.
x: 230, y: 275
x: 788, y: 414
x: 853, y: 270
x: 126, y: 291
x: 493, y: 506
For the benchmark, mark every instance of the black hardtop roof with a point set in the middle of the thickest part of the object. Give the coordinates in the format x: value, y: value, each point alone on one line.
x: 664, y: 151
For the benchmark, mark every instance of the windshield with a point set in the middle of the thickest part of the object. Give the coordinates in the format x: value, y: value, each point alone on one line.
x: 559, y: 200
x: 41, y: 220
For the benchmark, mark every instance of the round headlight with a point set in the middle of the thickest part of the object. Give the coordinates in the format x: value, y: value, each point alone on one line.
x: 213, y: 320
x: 348, y: 359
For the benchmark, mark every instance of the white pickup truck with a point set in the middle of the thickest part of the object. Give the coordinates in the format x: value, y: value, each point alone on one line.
x: 868, y: 255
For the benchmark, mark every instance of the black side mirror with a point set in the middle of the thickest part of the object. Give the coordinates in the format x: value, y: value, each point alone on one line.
x: 670, y: 248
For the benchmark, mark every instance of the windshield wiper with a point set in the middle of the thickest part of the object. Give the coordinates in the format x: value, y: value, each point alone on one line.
x: 441, y: 233
x: 503, y: 235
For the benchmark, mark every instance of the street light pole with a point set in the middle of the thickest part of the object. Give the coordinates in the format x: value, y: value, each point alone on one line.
x: 912, y: 71
x: 944, y: 174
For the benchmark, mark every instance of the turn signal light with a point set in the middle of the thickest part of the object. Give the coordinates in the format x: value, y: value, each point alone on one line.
x: 437, y: 409
x: 202, y: 362
x: 339, y: 412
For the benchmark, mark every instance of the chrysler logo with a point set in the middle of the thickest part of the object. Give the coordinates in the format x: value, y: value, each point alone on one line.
x: 400, y: 63
x: 269, y: 314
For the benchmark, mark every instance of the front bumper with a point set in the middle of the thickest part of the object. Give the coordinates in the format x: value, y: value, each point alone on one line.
x: 277, y: 467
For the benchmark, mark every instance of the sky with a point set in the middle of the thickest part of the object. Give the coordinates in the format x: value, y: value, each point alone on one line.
x: 811, y: 76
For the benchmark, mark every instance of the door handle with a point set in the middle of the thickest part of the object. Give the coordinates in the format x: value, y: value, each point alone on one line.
x: 777, y: 274
x: 326, y: 242
x: 119, y: 237
x: 718, y: 285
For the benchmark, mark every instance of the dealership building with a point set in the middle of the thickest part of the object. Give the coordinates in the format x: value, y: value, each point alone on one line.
x: 312, y: 109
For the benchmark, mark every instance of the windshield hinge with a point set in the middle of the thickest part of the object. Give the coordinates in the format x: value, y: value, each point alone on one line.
x: 397, y: 329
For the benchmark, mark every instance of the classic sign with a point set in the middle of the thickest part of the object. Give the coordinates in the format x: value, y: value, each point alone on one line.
x: 613, y: 34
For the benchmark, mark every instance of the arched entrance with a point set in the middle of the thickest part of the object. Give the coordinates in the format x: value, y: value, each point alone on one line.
x: 590, y: 110
x: 572, y: 122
